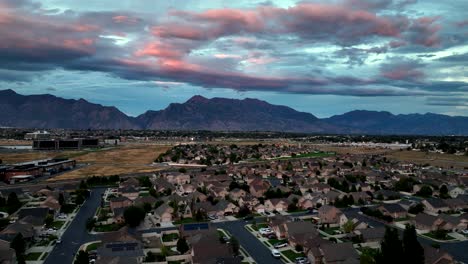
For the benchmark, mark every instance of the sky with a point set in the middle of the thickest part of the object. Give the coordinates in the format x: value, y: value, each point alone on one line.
x: 323, y: 57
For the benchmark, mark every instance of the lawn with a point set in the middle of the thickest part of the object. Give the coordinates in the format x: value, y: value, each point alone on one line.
x: 170, y: 237
x: 258, y: 226
x: 93, y: 246
x: 438, y: 237
x: 57, y: 224
x: 107, y: 228
x: 274, y: 241
x: 291, y: 255
x: 331, y: 230
x: 33, y: 256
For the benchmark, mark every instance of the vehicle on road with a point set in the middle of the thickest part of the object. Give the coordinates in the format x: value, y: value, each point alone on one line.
x: 249, y: 217
x: 275, y: 253
x: 281, y: 245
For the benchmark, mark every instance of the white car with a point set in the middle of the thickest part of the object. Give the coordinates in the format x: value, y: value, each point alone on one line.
x: 265, y: 231
x: 280, y: 245
x: 465, y: 232
x: 275, y: 253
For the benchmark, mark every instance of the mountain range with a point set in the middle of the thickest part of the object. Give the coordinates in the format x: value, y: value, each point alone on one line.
x: 220, y: 114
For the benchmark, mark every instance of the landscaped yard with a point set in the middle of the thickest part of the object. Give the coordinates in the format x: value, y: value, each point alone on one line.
x: 57, y: 224
x: 258, y: 226
x: 170, y: 237
x: 434, y: 235
x: 291, y: 255
x: 33, y: 256
x: 93, y: 246
x: 331, y: 230
x: 107, y: 228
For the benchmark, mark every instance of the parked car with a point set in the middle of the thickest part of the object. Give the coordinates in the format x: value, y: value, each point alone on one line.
x: 275, y: 253
x: 302, y: 260
x: 272, y: 236
x: 281, y: 245
x: 265, y: 231
x: 465, y: 232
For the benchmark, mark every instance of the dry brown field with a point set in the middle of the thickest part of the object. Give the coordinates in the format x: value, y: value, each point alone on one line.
x: 434, y: 159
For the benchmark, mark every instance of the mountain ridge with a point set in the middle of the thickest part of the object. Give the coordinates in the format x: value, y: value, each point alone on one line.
x: 220, y: 114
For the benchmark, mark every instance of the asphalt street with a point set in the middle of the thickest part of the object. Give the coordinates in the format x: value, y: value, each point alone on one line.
x: 76, y: 234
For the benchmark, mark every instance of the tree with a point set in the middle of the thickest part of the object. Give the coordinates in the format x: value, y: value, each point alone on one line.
x: 234, y: 245
x: 443, y: 191
x: 392, y: 249
x: 13, y: 203
x: 182, y: 245
x: 243, y: 211
x: 18, y: 244
x: 49, y: 220
x: 413, y: 252
x: 82, y: 257
x: 147, y: 207
x: 416, y: 209
x: 348, y: 227
x: 61, y: 199
x: 133, y: 216
x: 425, y: 191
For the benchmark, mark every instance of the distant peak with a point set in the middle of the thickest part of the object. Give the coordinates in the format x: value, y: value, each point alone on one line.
x: 197, y: 99
x: 8, y: 91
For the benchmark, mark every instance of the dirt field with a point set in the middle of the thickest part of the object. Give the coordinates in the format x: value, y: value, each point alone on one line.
x: 352, y: 150
x: 125, y: 159
x: 23, y: 156
x: 435, y: 159
x: 12, y: 142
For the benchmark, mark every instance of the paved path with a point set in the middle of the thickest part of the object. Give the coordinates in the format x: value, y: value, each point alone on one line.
x: 76, y: 234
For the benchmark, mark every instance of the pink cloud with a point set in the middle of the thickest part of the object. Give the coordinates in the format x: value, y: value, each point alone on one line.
x: 124, y: 19
x: 159, y: 49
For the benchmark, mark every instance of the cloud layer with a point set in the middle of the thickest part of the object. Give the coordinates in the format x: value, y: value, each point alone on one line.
x: 361, y: 48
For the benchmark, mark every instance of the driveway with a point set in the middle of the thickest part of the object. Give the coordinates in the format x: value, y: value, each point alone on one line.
x: 76, y: 234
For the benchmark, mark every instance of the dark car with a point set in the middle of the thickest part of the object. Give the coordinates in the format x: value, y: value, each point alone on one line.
x: 272, y: 236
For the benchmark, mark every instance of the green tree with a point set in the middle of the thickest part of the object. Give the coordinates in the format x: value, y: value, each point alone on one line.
x: 413, y: 252
x: 182, y: 245
x: 348, y: 227
x: 13, y: 203
x: 82, y: 257
x: 425, y: 191
x: 443, y: 191
x: 61, y: 199
x: 391, y: 246
x: 133, y: 216
x: 234, y: 245
x: 18, y: 244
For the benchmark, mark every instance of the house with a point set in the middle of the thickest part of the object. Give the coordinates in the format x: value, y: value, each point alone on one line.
x: 371, y: 234
x: 339, y: 253
x: 205, y: 245
x: 26, y: 229
x: 435, y: 205
x: 455, y: 191
x: 331, y: 215
x: 278, y: 204
x: 436, y: 256
x: 141, y: 201
x: 360, y: 196
x: 39, y: 213
x: 52, y: 204
x: 237, y: 193
x: 122, y: 246
x: 130, y: 182
x: 258, y: 186
x: 427, y: 223
x: 277, y: 224
x: 119, y: 202
x: 130, y: 192
x: 164, y: 213
x: 298, y: 233
x: 393, y: 210
x: 7, y: 254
